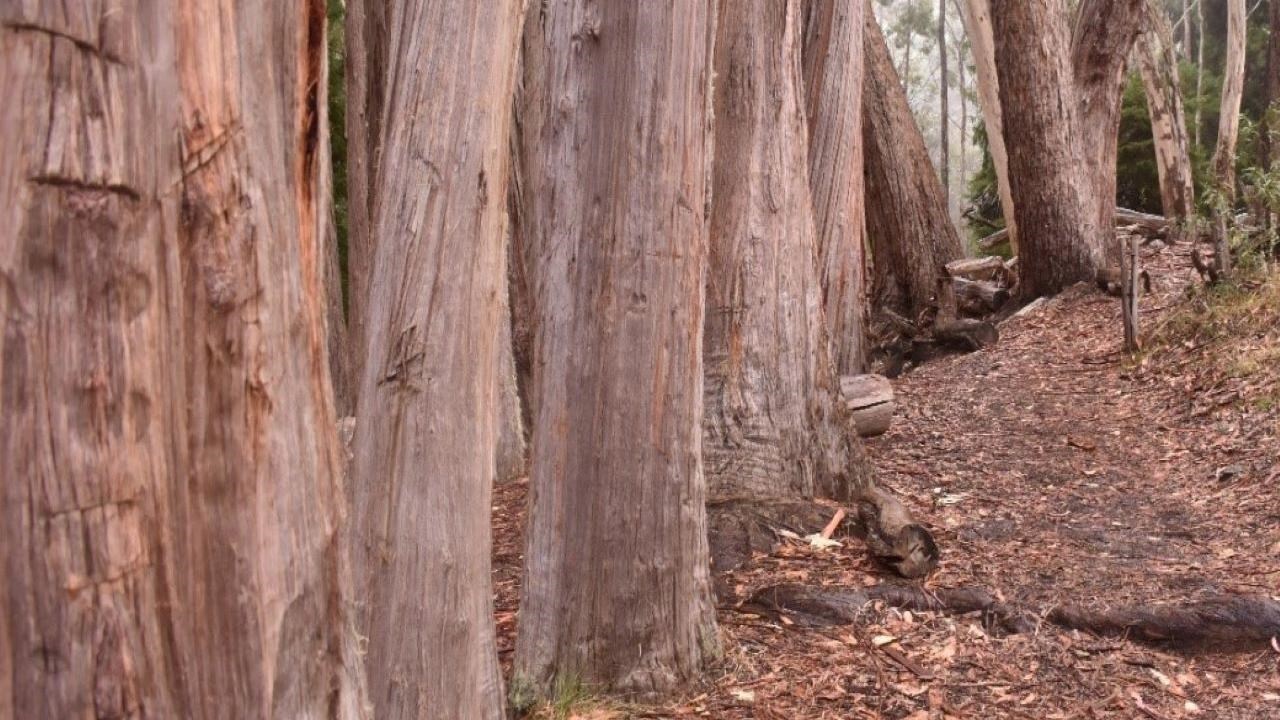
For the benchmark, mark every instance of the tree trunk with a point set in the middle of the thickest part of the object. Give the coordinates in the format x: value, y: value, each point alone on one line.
x: 172, y: 497
x: 912, y: 236
x: 511, y: 449
x: 616, y: 120
x: 977, y: 23
x: 1103, y: 39
x: 773, y: 426
x: 944, y: 112
x: 1046, y: 167
x: 1224, y: 156
x: 833, y: 82
x: 1197, y: 136
x: 1268, y: 129
x: 1158, y: 62
x: 425, y: 437
x: 368, y: 44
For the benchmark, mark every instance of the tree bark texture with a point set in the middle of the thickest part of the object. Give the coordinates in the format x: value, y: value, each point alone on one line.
x: 774, y: 425
x: 1158, y: 63
x: 833, y: 56
x: 1046, y: 164
x: 511, y: 449
x: 977, y: 24
x: 172, y: 501
x: 944, y: 111
x: 425, y: 440
x: 912, y: 236
x: 615, y: 118
x: 1102, y: 42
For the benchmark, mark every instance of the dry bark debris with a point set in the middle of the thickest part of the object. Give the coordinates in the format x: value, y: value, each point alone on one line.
x: 980, y: 453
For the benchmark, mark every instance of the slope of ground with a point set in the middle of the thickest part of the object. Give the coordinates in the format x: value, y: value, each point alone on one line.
x: 1052, y: 469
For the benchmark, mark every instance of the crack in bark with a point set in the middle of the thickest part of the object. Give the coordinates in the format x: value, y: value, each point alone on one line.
x: 86, y: 186
x: 87, y: 46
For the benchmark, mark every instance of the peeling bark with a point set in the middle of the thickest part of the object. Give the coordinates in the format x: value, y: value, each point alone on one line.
x: 977, y: 24
x: 1158, y: 63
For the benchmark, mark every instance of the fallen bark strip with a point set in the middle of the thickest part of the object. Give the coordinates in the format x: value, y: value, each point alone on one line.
x: 1220, y: 624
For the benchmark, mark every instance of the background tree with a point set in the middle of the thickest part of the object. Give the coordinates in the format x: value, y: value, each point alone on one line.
x: 1046, y: 166
x: 172, y: 494
x: 425, y: 439
x: 616, y: 137
x: 977, y: 21
x: 912, y: 237
x: 1224, y: 155
x: 1103, y: 39
x: 1158, y: 64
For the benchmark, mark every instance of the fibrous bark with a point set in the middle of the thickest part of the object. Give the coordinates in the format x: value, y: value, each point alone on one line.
x: 1224, y: 155
x: 425, y: 438
x: 977, y: 24
x: 615, y: 128
x: 833, y: 56
x: 1158, y: 63
x: 774, y: 426
x: 171, y: 499
x: 1103, y: 39
x: 1046, y: 164
x: 911, y: 233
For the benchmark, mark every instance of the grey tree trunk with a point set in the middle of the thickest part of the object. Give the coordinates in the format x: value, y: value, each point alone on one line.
x: 912, y: 236
x: 1158, y: 63
x: 425, y: 439
x: 1224, y: 155
x: 944, y: 111
x: 172, y: 501
x: 833, y: 57
x: 615, y: 127
x: 1046, y: 164
x: 1102, y: 42
x: 977, y: 23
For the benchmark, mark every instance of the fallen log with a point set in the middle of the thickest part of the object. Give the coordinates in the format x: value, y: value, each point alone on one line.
x: 1228, y: 623
x: 894, y: 537
x: 1146, y: 225
x: 966, y: 334
x: 990, y: 268
x: 979, y: 298
x: 869, y: 399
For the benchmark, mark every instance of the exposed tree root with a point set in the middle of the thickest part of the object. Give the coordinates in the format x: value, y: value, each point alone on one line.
x: 1221, y: 624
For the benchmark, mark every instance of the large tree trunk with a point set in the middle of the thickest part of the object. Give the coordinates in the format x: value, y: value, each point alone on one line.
x: 912, y: 237
x: 833, y: 85
x: 977, y: 24
x: 171, y: 499
x: 774, y: 426
x: 1158, y: 62
x: 425, y: 437
x: 1104, y: 35
x: 616, y: 124
x: 1046, y: 169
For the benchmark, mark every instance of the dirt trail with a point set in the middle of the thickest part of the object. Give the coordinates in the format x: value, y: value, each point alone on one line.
x: 1052, y: 470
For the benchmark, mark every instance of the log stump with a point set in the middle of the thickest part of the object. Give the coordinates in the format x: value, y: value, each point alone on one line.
x: 870, y: 402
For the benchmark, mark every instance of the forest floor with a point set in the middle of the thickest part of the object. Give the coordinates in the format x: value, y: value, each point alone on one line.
x: 1051, y: 469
